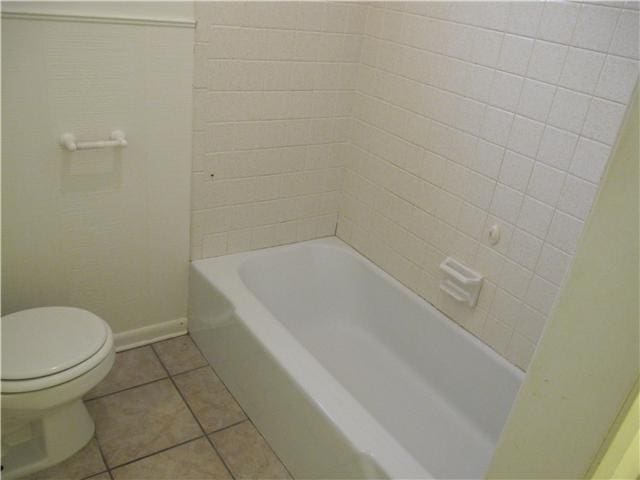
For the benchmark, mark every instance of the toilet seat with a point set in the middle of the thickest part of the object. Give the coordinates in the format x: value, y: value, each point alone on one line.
x: 45, y: 347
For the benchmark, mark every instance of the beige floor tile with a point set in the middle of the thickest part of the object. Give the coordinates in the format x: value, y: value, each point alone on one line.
x: 86, y: 462
x: 192, y: 461
x: 179, y: 354
x: 141, y: 421
x: 247, y: 454
x: 131, y: 368
x: 100, y: 476
x: 209, y: 399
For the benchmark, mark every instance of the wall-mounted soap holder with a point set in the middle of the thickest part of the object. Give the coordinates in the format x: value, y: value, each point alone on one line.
x: 460, y: 282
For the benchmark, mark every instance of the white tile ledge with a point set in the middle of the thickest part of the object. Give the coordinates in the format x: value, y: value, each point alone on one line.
x: 117, y: 20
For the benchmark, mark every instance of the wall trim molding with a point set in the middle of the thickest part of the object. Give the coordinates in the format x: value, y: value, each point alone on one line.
x: 150, y: 334
x: 55, y: 17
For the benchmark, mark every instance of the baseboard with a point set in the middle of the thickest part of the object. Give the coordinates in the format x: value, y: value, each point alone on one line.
x: 150, y: 334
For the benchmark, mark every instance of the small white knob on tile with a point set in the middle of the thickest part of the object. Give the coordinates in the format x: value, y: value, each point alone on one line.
x: 494, y: 234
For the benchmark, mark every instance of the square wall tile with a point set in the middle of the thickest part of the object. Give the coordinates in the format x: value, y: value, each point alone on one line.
x: 515, y: 170
x: 471, y: 220
x: 524, y: 249
x: 625, y: 38
x: 546, y: 183
x: 487, y: 159
x: 496, y: 125
x: 590, y: 160
x: 520, y: 351
x: 523, y: 17
x: 514, y: 278
x: 564, y: 232
x: 618, y: 79
x: 535, y: 217
x: 515, y: 53
x: 506, y: 203
x: 581, y: 70
x: 541, y: 294
x: 603, y: 121
x: 569, y: 109
x: 577, y: 197
x: 525, y: 136
x: 479, y: 190
x: 530, y: 323
x: 536, y: 99
x: 557, y: 147
x: 558, y: 21
x: 547, y: 60
x: 595, y: 27
x: 506, y: 308
x: 496, y: 334
x: 553, y: 264
x: 505, y: 90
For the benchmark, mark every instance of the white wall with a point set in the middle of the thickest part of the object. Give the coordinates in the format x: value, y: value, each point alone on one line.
x: 103, y: 230
x: 470, y: 114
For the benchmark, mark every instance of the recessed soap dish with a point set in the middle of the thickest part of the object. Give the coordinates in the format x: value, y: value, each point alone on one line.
x: 460, y: 282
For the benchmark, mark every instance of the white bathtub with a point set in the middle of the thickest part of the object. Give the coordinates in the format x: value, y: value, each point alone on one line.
x: 345, y: 371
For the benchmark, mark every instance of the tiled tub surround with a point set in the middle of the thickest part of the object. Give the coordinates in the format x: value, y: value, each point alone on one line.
x: 347, y: 373
x: 272, y: 106
x: 464, y: 114
x: 162, y: 413
x: 473, y: 114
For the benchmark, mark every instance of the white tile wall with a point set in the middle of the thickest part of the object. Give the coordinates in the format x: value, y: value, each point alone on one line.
x: 509, y: 111
x: 272, y: 96
x: 422, y: 124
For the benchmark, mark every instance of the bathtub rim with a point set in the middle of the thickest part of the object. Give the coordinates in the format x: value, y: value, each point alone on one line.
x: 357, y: 425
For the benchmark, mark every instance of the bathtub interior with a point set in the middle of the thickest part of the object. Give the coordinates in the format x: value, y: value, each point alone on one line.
x: 318, y: 287
x: 442, y: 394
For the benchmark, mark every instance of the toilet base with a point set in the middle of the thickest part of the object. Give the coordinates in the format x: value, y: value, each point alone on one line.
x: 34, y: 444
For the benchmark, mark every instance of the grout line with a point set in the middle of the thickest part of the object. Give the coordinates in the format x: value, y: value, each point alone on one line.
x: 125, y: 389
x: 156, y: 452
x: 143, y: 384
x: 184, y: 400
x: 499, y: 30
x: 457, y: 163
x: 95, y: 475
x: 243, y: 411
x: 235, y: 424
x: 487, y: 212
x: 104, y: 458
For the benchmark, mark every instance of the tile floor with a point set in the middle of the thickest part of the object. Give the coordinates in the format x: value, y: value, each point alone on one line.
x: 162, y: 413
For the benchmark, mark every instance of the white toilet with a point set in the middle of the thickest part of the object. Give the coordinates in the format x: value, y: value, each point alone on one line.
x: 51, y: 357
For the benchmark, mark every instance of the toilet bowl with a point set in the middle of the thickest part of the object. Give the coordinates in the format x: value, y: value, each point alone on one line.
x: 51, y: 357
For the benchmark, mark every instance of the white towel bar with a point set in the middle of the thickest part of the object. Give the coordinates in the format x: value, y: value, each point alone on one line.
x: 68, y: 141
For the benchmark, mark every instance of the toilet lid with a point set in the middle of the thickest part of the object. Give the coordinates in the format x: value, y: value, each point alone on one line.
x: 44, y: 341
